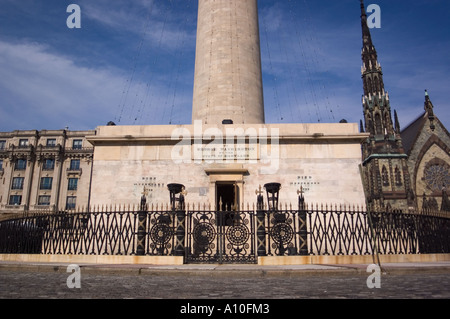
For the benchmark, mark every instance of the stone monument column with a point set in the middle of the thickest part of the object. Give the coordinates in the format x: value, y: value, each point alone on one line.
x: 228, y: 76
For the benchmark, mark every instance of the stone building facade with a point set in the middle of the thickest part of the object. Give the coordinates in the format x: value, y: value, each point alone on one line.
x: 44, y: 170
x: 385, y: 170
x: 228, y: 163
x: 427, y: 144
x: 405, y: 170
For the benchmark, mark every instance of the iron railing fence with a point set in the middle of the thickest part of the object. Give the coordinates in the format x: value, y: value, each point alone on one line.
x: 205, y: 235
x: 94, y: 233
x: 220, y: 237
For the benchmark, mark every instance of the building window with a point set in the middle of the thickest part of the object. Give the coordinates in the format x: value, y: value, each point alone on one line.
x: 378, y: 125
x: 49, y: 164
x: 15, y: 199
x: 23, y: 143
x: 71, y: 202
x: 385, y: 176
x: 73, y: 184
x: 1, y: 165
x: 398, y: 177
x: 369, y: 85
x: 20, y: 165
x: 17, y: 183
x: 437, y: 176
x: 51, y: 142
x: 77, y: 144
x: 46, y: 183
x: 377, y: 85
x: 2, y: 145
x: 44, y: 200
x: 75, y: 165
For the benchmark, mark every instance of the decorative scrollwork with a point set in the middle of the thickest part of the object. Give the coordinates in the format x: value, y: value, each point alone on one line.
x: 204, y: 234
x: 238, y: 235
x: 282, y: 233
x: 161, y: 234
x: 437, y: 176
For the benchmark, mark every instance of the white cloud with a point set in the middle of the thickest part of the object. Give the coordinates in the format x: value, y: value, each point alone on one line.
x: 42, y: 90
x: 161, y: 25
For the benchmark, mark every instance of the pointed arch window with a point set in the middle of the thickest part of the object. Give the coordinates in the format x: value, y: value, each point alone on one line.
x: 378, y: 125
x: 369, y: 85
x: 398, y: 177
x: 377, y: 85
x: 385, y: 176
x: 370, y: 124
x: 387, y: 120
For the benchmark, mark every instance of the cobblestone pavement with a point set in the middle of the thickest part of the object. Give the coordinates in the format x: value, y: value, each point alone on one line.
x: 52, y: 283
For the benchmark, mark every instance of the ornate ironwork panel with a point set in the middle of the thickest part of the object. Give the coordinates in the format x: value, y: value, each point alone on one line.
x: 221, y: 237
x: 338, y: 233
x: 281, y: 230
x: 226, y: 237
x: 95, y: 233
x: 433, y: 235
x: 396, y: 233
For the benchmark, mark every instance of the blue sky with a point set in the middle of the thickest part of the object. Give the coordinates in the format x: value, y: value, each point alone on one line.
x: 132, y: 61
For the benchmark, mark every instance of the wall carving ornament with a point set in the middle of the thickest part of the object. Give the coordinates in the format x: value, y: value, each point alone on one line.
x: 437, y: 180
x: 437, y: 175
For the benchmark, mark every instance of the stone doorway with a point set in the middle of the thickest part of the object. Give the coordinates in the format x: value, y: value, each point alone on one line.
x: 227, y: 196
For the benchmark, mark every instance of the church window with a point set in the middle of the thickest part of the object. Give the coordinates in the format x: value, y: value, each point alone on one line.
x: 437, y: 177
x: 378, y: 125
x: 385, y: 176
x: 387, y: 119
x: 377, y: 84
x: 369, y: 85
x: 398, y: 177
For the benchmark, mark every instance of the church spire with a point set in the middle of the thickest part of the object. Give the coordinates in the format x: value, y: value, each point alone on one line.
x: 385, y: 169
x: 376, y: 103
x: 371, y: 69
x: 367, y: 38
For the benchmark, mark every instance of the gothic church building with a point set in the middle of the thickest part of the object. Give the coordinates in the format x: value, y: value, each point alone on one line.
x: 403, y: 170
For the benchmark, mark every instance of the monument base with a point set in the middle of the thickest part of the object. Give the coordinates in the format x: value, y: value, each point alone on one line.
x: 226, y: 164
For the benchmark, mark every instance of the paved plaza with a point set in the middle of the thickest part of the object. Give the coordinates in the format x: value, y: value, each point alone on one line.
x: 405, y: 281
